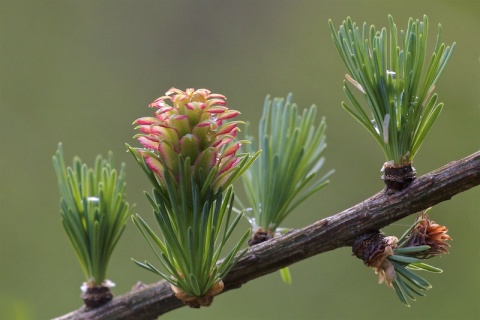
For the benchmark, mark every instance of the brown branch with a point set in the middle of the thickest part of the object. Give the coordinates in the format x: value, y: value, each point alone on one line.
x: 327, y: 234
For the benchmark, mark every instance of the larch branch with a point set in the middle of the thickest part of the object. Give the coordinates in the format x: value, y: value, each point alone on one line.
x: 327, y: 234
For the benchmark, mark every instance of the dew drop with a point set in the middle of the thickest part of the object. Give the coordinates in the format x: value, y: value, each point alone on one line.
x: 375, y: 126
x: 392, y: 74
x: 414, y: 102
x: 254, y: 224
x: 211, y: 133
x: 398, y: 100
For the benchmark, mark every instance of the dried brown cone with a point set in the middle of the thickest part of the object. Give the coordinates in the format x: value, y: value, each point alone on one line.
x: 374, y: 249
x: 196, y: 302
x: 429, y: 233
x: 398, y: 177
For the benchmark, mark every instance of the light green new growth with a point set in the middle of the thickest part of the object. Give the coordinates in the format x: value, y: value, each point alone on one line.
x: 389, y: 73
x: 191, y: 221
x: 285, y: 173
x: 93, y: 210
x: 407, y: 283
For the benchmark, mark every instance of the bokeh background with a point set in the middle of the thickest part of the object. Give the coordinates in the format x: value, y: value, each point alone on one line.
x: 80, y: 72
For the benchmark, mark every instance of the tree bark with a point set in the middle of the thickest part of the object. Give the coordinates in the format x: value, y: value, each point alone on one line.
x: 327, y: 234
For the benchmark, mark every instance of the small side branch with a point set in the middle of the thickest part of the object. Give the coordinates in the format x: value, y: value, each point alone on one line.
x: 327, y: 234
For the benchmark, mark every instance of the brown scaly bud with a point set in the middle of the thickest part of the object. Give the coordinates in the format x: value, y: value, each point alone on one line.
x: 260, y: 236
x: 397, y: 178
x: 95, y: 296
x: 374, y: 249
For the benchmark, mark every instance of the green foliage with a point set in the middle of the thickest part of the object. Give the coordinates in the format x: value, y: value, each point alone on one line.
x: 388, y: 73
x: 93, y: 210
x: 285, y: 173
x: 190, y: 158
x: 193, y: 238
x: 407, y: 283
x: 405, y: 260
x: 234, y: 172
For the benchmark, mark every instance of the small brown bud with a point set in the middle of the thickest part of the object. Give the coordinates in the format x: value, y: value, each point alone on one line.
x: 397, y: 177
x: 95, y: 296
x: 260, y: 236
x: 374, y: 249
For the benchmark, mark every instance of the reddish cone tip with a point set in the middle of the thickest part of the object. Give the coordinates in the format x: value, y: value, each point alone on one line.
x: 193, y: 126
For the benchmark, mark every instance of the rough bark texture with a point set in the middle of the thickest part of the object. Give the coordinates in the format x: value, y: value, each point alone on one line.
x: 327, y: 234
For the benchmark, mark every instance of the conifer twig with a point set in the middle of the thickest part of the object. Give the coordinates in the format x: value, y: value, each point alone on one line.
x: 327, y: 234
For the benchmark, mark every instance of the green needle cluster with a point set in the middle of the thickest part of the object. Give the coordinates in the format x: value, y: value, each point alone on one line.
x: 395, y: 82
x: 286, y: 172
x: 407, y: 283
x: 193, y: 236
x: 396, y: 261
x: 195, y: 221
x: 190, y: 157
x: 425, y: 239
x: 93, y: 210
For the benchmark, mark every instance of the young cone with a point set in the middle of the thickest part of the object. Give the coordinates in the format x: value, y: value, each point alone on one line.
x: 190, y: 157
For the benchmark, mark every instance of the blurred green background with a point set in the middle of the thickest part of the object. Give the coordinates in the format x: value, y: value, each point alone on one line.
x: 80, y: 72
